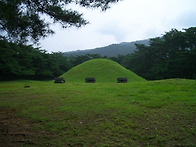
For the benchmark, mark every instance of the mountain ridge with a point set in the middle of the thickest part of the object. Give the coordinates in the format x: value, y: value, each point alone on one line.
x: 112, y: 50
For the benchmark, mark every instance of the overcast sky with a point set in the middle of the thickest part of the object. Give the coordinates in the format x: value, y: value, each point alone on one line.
x: 125, y: 21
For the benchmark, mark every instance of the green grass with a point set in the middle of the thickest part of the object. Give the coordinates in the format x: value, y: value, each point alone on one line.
x: 155, y: 113
x: 103, y: 70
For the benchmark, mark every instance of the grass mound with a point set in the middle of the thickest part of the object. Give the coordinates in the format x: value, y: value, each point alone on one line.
x: 104, y: 70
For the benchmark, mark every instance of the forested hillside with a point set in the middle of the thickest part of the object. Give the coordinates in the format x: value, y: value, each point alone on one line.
x: 112, y: 50
x: 172, y: 55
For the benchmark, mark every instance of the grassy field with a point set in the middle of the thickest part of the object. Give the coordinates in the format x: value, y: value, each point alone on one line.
x: 146, y: 113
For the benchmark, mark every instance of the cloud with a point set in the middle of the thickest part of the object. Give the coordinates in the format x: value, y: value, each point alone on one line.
x: 113, y: 29
x: 187, y: 19
x: 128, y: 20
x: 76, y: 39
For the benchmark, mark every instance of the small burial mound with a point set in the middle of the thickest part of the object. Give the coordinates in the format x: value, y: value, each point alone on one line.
x: 104, y: 70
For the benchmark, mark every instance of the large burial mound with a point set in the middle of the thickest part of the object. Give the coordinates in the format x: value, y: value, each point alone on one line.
x: 103, y: 70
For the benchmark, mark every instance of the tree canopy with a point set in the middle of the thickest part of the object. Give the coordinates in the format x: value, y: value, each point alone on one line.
x: 22, y: 21
x: 171, y: 56
x: 18, y: 61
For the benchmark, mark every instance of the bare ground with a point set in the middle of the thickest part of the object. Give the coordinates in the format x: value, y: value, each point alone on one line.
x: 16, y: 131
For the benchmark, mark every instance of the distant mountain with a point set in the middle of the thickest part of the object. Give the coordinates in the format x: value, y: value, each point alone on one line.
x: 112, y: 50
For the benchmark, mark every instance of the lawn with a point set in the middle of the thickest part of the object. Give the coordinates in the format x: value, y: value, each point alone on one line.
x: 147, y: 113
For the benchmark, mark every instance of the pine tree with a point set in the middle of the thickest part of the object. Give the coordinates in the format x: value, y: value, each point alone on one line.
x: 22, y: 20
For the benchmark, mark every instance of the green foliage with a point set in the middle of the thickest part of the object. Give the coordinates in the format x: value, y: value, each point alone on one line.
x: 152, y: 113
x: 103, y: 70
x: 19, y: 61
x: 27, y: 16
x: 169, y: 56
x: 26, y: 62
x: 76, y: 60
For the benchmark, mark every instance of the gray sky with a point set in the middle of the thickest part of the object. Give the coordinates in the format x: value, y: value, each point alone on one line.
x: 125, y: 21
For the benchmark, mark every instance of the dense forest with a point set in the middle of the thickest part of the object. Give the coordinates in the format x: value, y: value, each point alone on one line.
x: 19, y: 61
x: 172, y: 55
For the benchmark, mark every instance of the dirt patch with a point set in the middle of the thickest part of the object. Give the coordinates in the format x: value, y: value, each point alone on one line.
x: 16, y: 131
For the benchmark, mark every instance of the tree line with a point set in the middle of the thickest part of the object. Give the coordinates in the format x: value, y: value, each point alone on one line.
x: 18, y: 61
x: 172, y: 55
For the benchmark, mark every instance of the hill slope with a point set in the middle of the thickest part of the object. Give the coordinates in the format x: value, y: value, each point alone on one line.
x: 103, y: 70
x: 111, y: 50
